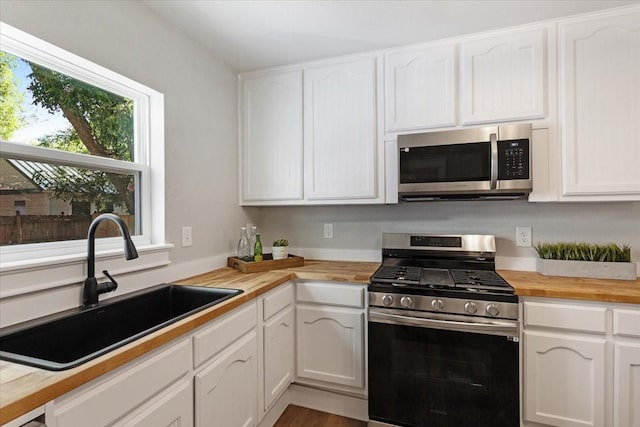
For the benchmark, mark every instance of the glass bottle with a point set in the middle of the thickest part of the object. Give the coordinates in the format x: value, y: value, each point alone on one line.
x: 252, y: 239
x: 244, y: 252
x: 257, y: 249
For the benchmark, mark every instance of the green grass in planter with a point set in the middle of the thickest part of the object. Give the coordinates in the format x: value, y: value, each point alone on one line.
x: 584, y: 252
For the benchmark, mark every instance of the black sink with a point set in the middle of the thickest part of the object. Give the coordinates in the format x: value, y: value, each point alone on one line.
x: 68, y: 340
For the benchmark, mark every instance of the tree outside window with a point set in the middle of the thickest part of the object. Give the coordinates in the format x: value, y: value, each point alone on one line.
x: 45, y: 108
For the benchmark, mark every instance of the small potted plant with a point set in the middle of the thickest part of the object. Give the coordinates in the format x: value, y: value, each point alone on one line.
x: 280, y: 249
x: 609, y: 261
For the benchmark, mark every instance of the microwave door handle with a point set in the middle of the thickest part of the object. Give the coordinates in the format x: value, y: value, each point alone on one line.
x: 493, y: 139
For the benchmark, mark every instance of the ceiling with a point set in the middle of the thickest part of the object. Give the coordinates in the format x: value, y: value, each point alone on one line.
x: 258, y: 34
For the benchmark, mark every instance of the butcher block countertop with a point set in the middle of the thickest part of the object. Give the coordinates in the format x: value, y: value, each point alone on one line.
x: 23, y: 388
x: 532, y: 284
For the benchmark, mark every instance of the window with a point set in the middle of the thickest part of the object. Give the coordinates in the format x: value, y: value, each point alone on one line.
x: 75, y: 140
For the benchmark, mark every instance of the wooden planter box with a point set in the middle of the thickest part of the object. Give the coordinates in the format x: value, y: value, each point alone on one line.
x: 267, y: 263
x: 587, y: 269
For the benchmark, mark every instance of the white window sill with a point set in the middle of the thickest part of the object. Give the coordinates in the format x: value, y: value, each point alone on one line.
x: 28, y: 276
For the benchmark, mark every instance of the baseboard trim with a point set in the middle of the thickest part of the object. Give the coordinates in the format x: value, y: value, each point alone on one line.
x: 276, y: 410
x: 326, y: 401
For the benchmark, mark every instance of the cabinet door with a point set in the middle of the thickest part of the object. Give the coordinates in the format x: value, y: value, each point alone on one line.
x: 226, y: 390
x: 503, y: 78
x: 330, y: 345
x: 626, y: 394
x: 419, y: 88
x: 599, y: 93
x: 109, y: 398
x: 341, y: 146
x: 271, y: 137
x: 278, y: 355
x: 174, y: 408
x: 564, y: 379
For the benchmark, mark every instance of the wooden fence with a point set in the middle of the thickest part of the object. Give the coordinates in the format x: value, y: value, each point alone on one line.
x: 20, y: 229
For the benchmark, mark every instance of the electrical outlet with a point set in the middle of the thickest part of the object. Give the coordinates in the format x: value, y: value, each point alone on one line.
x: 523, y: 236
x: 187, y: 236
x: 328, y: 231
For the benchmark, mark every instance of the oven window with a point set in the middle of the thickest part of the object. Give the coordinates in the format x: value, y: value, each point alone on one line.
x: 437, y: 378
x: 446, y: 163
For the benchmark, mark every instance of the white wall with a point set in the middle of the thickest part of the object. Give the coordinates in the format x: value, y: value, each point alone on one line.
x: 358, y: 230
x: 200, y: 127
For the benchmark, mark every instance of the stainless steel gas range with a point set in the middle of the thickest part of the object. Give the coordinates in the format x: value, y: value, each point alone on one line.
x: 443, y: 335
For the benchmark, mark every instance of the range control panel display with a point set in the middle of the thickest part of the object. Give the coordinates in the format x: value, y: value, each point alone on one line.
x: 437, y: 241
x: 513, y: 159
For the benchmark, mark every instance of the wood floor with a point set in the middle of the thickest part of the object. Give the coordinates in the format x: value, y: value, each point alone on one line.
x: 297, y: 416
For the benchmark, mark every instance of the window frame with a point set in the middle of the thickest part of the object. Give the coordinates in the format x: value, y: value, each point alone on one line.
x: 148, y: 152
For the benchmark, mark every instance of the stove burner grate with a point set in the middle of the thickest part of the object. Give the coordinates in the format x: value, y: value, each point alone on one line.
x: 484, y: 279
x: 403, y: 274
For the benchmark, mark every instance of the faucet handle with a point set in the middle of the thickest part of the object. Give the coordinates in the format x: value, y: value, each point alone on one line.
x: 108, y: 286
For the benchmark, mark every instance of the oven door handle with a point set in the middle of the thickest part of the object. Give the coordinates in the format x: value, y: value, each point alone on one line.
x: 495, y: 328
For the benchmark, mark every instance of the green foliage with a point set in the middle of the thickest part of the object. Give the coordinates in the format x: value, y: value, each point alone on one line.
x: 66, y: 140
x: 11, y: 118
x: 108, y: 117
x: 584, y: 252
x: 280, y: 242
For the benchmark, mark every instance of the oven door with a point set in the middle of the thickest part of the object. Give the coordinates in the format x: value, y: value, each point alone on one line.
x: 441, y: 373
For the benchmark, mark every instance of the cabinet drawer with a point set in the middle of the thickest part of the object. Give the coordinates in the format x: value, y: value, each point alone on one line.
x: 211, y: 340
x: 343, y: 295
x: 103, y: 403
x: 626, y: 322
x: 564, y: 316
x: 276, y: 301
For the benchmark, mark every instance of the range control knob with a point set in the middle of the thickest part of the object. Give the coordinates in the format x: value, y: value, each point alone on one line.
x: 387, y: 300
x: 437, y: 304
x: 470, y: 307
x: 493, y: 310
x: 406, y: 302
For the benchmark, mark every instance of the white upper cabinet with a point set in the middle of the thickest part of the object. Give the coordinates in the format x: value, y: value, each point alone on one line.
x: 420, y: 88
x: 503, y: 77
x: 342, y: 148
x: 271, y: 137
x: 600, y: 105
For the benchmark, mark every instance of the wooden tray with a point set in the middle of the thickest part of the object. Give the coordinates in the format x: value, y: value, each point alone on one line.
x: 267, y: 263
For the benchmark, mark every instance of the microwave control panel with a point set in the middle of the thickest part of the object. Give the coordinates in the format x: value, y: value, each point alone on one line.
x: 513, y: 159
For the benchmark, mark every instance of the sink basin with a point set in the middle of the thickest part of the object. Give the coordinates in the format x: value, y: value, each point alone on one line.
x: 68, y: 340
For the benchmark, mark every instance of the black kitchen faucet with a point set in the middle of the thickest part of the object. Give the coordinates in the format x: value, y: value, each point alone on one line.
x: 91, y: 286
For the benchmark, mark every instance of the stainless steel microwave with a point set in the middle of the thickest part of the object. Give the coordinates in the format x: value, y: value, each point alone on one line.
x: 481, y: 163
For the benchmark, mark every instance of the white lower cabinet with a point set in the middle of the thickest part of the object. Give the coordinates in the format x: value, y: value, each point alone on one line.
x: 330, y: 342
x: 107, y: 399
x: 581, y: 364
x: 626, y: 379
x: 278, y: 355
x: 626, y: 392
x: 565, y: 379
x: 225, y: 390
x: 278, y: 333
